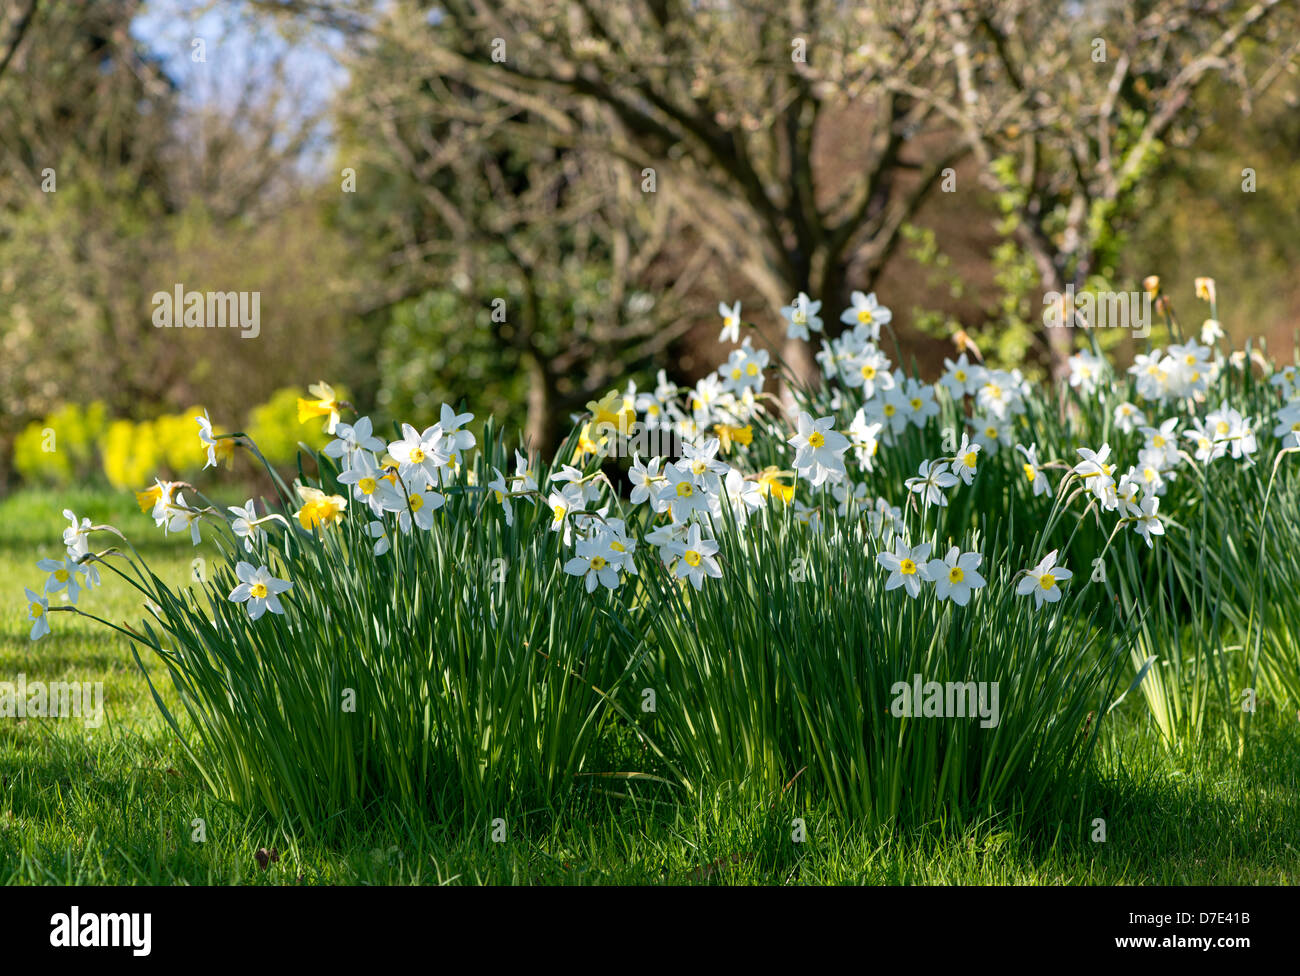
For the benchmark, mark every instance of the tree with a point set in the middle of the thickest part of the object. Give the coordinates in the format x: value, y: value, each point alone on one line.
x: 1101, y: 90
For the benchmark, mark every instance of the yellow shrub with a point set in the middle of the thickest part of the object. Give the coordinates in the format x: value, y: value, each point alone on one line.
x: 275, y: 429
x: 63, y: 445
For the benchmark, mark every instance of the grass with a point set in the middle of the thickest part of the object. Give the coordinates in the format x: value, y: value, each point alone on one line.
x: 118, y: 804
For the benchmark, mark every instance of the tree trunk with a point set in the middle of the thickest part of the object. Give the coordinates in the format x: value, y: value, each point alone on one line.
x: 540, y: 432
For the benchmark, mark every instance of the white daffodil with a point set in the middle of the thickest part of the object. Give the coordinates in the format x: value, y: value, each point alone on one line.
x: 379, y: 532
x: 955, y: 575
x: 1033, y: 473
x: 886, y: 518
x: 1043, y: 580
x: 851, y: 497
x: 665, y: 537
x: 1163, y: 439
x: 64, y: 575
x: 743, y: 495
x: 501, y: 492
x: 920, y: 402
x: 1128, y: 417
x: 966, y: 460
x: 701, y: 459
x: 76, y: 537
x: 1288, y: 425
x: 419, y: 509
x: 1145, y: 520
x: 369, y: 484
x: 1228, y: 425
x: 1098, y: 475
x: 419, y: 454
x: 730, y: 322
x: 819, y: 450
x: 1085, y: 372
x: 1150, y: 375
x: 932, y: 477
x: 960, y: 378
x: 801, y: 315
x: 258, y: 589
x: 592, y: 562
x: 562, y: 504
x: 868, y: 371
x: 182, y: 518
x: 866, y: 316
x: 644, y: 478
x: 206, y: 439
x: 991, y: 433
x: 351, y: 439
x: 454, y: 439
x: 864, y: 436
x: 38, y: 612
x: 244, y: 524
x: 683, y: 491
x: 907, y: 567
x: 1207, y: 448
x: 696, y: 558
x: 1287, y: 379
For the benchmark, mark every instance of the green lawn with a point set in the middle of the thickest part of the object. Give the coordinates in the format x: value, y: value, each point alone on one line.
x: 117, y: 804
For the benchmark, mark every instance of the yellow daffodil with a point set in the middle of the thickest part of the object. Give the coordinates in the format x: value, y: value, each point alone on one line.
x: 326, y: 404
x: 769, y: 484
x: 727, y: 435
x: 319, y: 508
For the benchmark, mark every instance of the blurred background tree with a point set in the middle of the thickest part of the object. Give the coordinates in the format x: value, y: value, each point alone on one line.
x: 524, y: 203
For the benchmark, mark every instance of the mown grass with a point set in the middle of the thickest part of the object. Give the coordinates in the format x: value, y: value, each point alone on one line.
x: 117, y: 804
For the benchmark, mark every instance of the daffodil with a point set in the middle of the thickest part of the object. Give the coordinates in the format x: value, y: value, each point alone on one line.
x: 318, y: 508
x: 38, y: 612
x: 801, y: 315
x: 819, y: 450
x: 770, y: 484
x: 696, y: 558
x: 1128, y: 417
x: 1098, y: 475
x: 907, y: 567
x: 245, y: 523
x: 1044, y: 580
x: 1288, y: 425
x: 593, y: 564
x: 418, y: 510
x: 368, y: 483
x: 419, y: 454
x: 961, y: 378
x: 955, y: 576
x: 324, y: 404
x: 866, y: 315
x: 64, y: 574
x: 730, y: 322
x: 966, y: 460
x: 684, y: 492
x: 501, y: 492
x: 76, y: 537
x: 258, y: 590
x: 1146, y: 522
x: 932, y: 477
x: 182, y: 518
x: 1032, y: 471
x: 1085, y: 372
x: 351, y: 439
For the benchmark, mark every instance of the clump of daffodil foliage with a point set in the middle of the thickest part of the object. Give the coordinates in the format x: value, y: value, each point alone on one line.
x: 917, y: 600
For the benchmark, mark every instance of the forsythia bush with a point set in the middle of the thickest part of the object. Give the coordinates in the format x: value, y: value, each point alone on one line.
x: 63, y: 446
